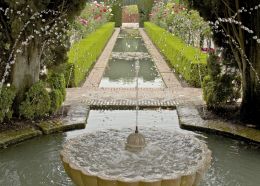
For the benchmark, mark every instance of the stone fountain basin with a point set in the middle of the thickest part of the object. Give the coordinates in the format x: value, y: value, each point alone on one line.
x: 84, y: 173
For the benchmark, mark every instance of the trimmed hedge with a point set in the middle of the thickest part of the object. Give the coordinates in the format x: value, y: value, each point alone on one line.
x: 57, y: 85
x: 145, y: 8
x: 37, y: 102
x: 84, y: 53
x: 117, y: 13
x: 188, y: 61
x: 7, y: 96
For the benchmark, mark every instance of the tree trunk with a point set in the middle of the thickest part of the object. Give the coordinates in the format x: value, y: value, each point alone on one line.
x: 26, y: 70
x: 250, y: 107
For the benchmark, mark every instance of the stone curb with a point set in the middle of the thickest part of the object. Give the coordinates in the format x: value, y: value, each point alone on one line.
x: 76, y: 119
x: 190, y: 119
x: 15, y: 136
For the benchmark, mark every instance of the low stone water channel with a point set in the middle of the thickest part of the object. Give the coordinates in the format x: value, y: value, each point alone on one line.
x: 37, y: 161
x: 120, y: 71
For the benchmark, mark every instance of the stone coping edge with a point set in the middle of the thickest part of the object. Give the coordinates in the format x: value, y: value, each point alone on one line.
x: 50, y: 127
x: 190, y: 119
x: 130, y: 107
x: 76, y: 119
x: 12, y: 137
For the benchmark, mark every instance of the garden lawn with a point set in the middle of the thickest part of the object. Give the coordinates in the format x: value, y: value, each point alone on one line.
x: 85, y: 52
x: 188, y: 61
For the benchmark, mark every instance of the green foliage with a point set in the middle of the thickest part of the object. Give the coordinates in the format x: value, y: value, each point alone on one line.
x: 188, y: 61
x: 21, y: 20
x: 57, y: 82
x: 117, y: 13
x: 37, y: 102
x: 145, y: 8
x: 84, y: 53
x: 58, y: 91
x: 185, y: 24
x: 57, y: 99
x: 7, y: 96
x: 92, y: 17
x: 218, y: 88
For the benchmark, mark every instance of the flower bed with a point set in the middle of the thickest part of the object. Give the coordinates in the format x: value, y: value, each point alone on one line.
x: 92, y: 17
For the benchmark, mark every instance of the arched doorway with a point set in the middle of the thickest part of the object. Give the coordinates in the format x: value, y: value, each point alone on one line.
x: 143, y: 6
x: 130, y: 14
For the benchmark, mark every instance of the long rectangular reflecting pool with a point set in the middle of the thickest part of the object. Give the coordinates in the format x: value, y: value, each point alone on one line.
x: 120, y: 70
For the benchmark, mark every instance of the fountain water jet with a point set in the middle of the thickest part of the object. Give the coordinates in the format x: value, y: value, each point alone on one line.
x: 136, y: 141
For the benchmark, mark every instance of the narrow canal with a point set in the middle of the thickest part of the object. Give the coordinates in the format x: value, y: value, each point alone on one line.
x: 120, y: 71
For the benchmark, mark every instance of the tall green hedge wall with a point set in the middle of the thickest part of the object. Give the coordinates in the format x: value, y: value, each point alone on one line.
x: 117, y: 13
x: 84, y: 53
x: 145, y: 8
x: 188, y: 61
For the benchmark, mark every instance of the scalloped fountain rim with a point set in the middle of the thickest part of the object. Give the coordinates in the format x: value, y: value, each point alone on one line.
x: 81, y: 176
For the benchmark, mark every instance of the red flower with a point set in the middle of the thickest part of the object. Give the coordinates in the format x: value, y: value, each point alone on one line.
x: 83, y: 21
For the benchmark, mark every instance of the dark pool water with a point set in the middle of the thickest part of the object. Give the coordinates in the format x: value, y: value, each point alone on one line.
x: 120, y: 73
x: 129, y: 44
x: 36, y: 162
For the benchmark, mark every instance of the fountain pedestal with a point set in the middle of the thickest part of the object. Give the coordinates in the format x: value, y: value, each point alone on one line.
x: 168, y: 159
x: 135, y: 141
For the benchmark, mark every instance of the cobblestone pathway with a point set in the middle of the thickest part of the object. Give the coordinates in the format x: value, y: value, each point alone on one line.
x: 173, y: 94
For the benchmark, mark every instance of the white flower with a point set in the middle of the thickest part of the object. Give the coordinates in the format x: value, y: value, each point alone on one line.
x: 19, y: 51
x: 8, y: 85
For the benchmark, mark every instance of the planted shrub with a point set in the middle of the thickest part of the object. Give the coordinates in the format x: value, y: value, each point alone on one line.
x: 117, y: 13
x: 37, y: 102
x: 145, y: 8
x: 56, y: 98
x: 84, y: 53
x: 188, y: 61
x: 7, y: 96
x: 58, y: 91
x: 57, y: 82
x: 220, y: 88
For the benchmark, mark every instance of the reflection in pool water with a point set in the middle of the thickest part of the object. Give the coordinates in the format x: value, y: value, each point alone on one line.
x: 120, y: 71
